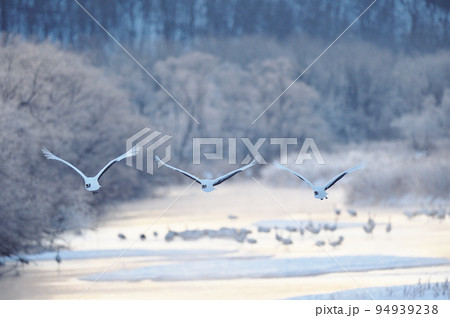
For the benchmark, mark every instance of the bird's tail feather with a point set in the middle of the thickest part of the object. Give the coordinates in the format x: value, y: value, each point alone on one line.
x: 133, y: 151
x: 48, y: 154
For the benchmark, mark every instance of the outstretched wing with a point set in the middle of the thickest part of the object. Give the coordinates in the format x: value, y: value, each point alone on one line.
x: 342, y: 174
x: 51, y: 156
x: 221, y: 179
x: 179, y: 170
x: 130, y: 153
x: 280, y: 166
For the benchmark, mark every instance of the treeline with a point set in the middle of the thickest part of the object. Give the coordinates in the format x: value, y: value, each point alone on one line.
x: 356, y: 93
x: 423, y: 24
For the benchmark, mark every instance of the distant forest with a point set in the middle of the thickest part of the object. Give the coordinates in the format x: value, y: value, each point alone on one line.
x: 419, y: 23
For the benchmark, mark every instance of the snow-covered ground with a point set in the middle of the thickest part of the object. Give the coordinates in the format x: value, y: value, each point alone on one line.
x: 428, y: 291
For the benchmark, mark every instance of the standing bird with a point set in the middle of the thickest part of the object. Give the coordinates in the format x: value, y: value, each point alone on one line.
x: 58, y: 258
x: 170, y: 235
x: 332, y: 227
x: 155, y: 234
x: 368, y: 228
x: 23, y: 260
x: 251, y: 241
x: 278, y: 237
x: 352, y: 212
x: 91, y: 183
x: 320, y: 243
x: 320, y: 191
x: 389, y: 226
x: 263, y: 229
x: 121, y: 236
x: 287, y: 241
x: 291, y: 228
x: 142, y: 237
x: 314, y: 230
x: 337, y: 242
x: 208, y: 184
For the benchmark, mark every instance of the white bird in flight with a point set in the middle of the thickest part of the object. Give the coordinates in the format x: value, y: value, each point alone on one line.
x: 208, y: 184
x: 320, y: 191
x: 91, y: 183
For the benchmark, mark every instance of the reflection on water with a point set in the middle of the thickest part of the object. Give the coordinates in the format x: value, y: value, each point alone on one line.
x: 45, y: 279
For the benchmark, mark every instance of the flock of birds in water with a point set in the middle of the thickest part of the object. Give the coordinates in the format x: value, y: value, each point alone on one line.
x: 284, y: 234
x: 241, y: 235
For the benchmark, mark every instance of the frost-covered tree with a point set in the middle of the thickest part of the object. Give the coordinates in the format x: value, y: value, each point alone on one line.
x: 426, y: 127
x: 56, y: 99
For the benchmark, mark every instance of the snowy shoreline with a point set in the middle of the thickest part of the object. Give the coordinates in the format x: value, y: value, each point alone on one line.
x: 427, y: 291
